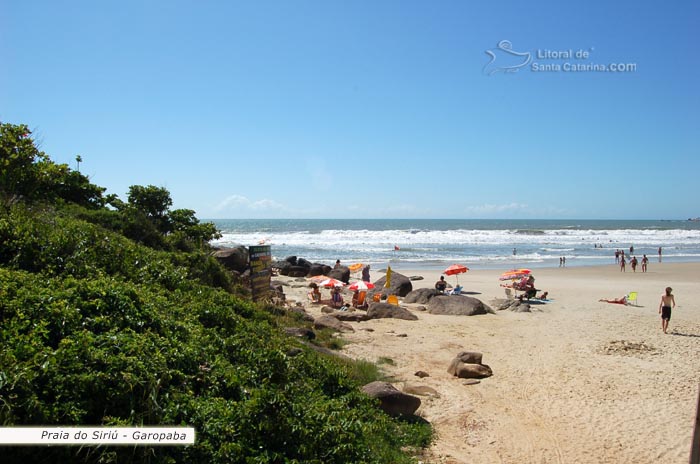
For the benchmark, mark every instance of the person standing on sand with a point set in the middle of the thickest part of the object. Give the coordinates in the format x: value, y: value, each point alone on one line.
x: 645, y: 260
x: 659, y: 254
x: 622, y: 263
x: 667, y: 302
x: 365, y: 273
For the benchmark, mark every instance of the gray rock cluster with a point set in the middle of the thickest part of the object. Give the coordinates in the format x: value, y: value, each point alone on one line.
x: 391, y: 400
x: 467, y: 365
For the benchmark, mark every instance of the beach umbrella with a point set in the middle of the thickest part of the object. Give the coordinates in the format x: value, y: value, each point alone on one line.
x: 318, y: 279
x: 356, y: 267
x: 456, y: 269
x: 387, y: 283
x: 330, y: 282
x: 361, y: 286
x: 514, y: 274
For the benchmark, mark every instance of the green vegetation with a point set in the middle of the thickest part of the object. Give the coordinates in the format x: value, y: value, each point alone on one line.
x: 113, y: 313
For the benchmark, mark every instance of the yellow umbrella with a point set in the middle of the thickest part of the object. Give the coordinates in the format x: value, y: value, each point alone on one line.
x: 387, y: 284
x: 356, y: 267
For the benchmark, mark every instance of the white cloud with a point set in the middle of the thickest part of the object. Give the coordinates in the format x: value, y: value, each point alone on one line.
x: 489, y: 209
x: 241, y: 203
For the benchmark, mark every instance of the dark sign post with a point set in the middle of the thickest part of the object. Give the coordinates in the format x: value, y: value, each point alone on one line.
x: 260, y: 271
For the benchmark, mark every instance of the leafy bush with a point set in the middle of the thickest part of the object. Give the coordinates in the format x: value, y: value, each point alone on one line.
x: 99, y: 330
x: 104, y: 351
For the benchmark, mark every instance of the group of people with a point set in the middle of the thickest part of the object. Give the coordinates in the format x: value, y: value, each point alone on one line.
x: 622, y: 261
x: 441, y: 287
x: 527, y: 286
x: 365, y: 270
x: 668, y: 302
x: 337, y: 301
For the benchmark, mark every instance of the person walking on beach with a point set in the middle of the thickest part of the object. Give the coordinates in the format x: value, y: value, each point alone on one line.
x: 365, y: 273
x: 633, y: 263
x: 667, y: 302
x: 617, y: 256
x: 622, y: 263
x: 645, y: 260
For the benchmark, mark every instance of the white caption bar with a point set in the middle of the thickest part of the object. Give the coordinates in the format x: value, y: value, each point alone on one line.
x: 97, y: 435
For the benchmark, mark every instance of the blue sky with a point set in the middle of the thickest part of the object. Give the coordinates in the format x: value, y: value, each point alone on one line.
x: 329, y: 109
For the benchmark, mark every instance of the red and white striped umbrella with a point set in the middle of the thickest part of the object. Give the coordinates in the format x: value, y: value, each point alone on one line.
x: 330, y: 283
x: 361, y: 286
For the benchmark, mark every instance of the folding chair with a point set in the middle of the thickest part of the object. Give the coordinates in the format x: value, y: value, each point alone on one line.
x: 632, y: 298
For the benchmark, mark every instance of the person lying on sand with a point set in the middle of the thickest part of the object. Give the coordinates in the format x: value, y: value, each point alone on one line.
x: 622, y: 300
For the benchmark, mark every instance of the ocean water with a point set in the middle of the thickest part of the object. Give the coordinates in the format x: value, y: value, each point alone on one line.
x: 478, y: 244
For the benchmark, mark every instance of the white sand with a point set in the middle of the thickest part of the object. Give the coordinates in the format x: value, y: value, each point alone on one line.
x: 565, y: 389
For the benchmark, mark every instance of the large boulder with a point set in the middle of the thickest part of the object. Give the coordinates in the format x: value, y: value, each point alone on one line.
x: 341, y: 273
x: 467, y: 365
x: 400, y: 285
x: 330, y: 322
x: 420, y: 296
x: 513, y: 305
x: 317, y: 269
x: 304, y: 263
x: 300, y: 332
x: 350, y: 316
x: 295, y: 271
x: 234, y: 259
x: 386, y: 310
x: 471, y: 371
x: 391, y: 400
x: 457, y: 305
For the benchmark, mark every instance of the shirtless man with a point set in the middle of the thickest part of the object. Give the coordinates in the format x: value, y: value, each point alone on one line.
x: 667, y: 302
x: 441, y: 285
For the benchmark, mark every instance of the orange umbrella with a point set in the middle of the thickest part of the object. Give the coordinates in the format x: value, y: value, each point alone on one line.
x: 456, y: 269
x: 514, y: 274
x: 356, y: 267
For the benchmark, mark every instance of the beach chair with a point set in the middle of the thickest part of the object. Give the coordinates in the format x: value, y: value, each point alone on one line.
x: 360, y: 301
x: 455, y: 291
x: 632, y: 298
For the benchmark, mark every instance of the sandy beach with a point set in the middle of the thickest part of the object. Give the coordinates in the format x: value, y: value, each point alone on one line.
x: 575, y: 381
